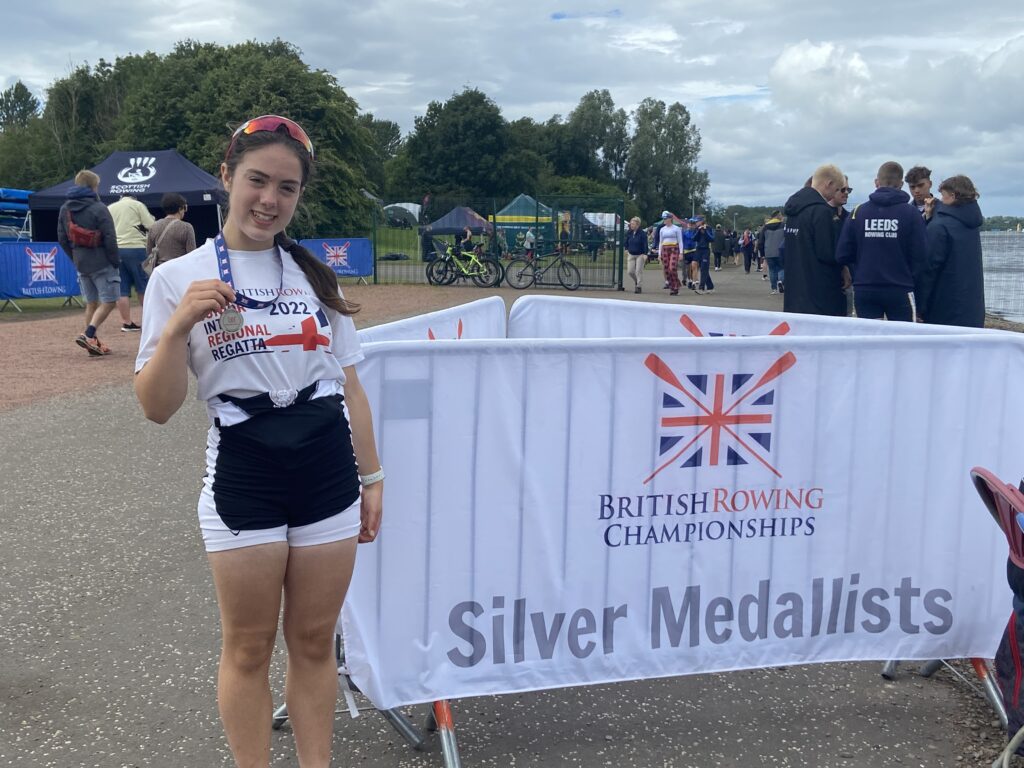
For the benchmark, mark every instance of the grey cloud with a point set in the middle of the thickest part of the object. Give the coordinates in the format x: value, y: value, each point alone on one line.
x: 773, y: 93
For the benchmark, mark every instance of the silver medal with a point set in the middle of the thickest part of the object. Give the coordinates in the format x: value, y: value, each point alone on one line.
x: 231, y: 320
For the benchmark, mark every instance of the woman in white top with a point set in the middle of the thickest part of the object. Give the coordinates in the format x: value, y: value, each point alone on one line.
x: 670, y: 245
x: 289, y: 489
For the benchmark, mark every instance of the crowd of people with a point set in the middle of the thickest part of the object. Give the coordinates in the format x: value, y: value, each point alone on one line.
x: 109, y: 246
x: 900, y: 255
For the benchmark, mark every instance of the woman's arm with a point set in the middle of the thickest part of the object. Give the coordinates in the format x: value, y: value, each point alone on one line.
x: 162, y: 384
x: 366, y: 454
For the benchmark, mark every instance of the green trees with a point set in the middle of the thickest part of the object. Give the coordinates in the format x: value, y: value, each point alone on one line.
x: 189, y: 100
x: 661, y: 168
x: 464, y: 146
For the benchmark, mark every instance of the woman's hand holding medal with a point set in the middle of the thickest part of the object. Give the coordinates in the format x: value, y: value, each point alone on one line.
x: 202, y: 298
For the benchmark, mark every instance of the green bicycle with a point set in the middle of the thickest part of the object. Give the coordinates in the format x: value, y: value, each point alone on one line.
x: 522, y: 273
x: 450, y: 266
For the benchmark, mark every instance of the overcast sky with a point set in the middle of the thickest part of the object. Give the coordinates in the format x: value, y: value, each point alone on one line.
x: 776, y: 87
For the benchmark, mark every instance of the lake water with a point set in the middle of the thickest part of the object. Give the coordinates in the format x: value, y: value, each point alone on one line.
x: 1003, y: 259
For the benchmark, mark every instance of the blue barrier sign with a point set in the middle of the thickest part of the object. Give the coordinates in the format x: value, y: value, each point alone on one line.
x: 31, y: 270
x: 347, y: 256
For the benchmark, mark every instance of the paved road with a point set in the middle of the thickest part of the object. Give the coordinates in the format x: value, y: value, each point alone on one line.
x: 109, y: 639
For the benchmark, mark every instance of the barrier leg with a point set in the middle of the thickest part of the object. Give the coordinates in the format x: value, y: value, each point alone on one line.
x: 280, y: 717
x: 416, y: 739
x: 981, y: 669
x: 889, y: 669
x: 446, y: 729
x: 930, y: 668
x: 12, y: 302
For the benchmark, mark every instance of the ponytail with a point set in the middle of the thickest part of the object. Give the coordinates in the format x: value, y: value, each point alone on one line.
x: 320, y: 276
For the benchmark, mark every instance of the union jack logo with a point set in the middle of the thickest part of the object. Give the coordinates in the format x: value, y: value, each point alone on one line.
x: 44, y: 266
x: 337, y: 255
x: 717, y: 418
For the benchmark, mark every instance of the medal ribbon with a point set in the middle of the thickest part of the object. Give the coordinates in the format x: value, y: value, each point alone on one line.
x: 224, y: 265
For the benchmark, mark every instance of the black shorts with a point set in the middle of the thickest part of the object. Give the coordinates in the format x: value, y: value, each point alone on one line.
x: 291, y: 467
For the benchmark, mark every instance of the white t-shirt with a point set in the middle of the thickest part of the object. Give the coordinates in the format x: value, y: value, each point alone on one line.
x: 670, y: 234
x: 289, y: 345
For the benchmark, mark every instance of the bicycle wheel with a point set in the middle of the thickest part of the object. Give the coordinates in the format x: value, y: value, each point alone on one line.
x: 520, y: 273
x: 489, y: 273
x: 438, y: 272
x: 568, y: 275
x: 433, y: 269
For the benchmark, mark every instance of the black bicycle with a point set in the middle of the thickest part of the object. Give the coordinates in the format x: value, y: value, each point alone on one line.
x: 522, y: 273
x: 452, y: 265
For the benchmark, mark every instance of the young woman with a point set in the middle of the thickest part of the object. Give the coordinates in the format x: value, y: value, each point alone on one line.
x: 952, y: 288
x: 264, y: 328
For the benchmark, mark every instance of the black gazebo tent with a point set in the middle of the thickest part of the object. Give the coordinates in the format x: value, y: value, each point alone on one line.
x: 456, y: 220
x: 146, y: 176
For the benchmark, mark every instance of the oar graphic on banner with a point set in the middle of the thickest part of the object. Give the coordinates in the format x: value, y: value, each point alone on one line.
x: 458, y: 332
x: 718, y: 419
x: 687, y: 322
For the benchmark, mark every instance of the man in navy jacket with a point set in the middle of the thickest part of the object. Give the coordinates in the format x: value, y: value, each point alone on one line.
x: 814, y: 281
x: 885, y: 243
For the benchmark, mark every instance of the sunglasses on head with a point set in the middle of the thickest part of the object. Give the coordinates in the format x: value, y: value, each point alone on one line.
x: 273, y: 124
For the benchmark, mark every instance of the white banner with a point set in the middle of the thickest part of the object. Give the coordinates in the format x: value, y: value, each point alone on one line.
x: 567, y: 317
x: 481, y: 319
x: 563, y: 513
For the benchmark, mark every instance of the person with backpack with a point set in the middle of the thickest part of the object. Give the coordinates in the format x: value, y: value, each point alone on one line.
x: 769, y: 243
x: 172, y: 236
x: 85, y: 230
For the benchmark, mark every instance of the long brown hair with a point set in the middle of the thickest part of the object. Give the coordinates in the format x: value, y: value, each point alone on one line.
x: 320, y: 276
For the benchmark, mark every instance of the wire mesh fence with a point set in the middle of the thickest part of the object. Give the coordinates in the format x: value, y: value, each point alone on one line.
x: 587, y: 231
x: 1003, y: 262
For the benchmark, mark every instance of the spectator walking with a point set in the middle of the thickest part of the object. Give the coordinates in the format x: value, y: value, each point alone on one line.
x: 703, y: 240
x: 172, y: 236
x: 529, y: 243
x: 718, y: 246
x: 770, y: 241
x: 636, y: 248
x: 747, y: 246
x: 952, y: 287
x: 814, y: 281
x: 85, y: 231
x: 884, y: 242
x: 670, y: 241
x: 132, y: 221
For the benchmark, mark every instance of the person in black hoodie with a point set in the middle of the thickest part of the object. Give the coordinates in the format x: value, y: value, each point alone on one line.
x: 98, y: 265
x: 952, y: 288
x: 884, y: 242
x: 814, y: 281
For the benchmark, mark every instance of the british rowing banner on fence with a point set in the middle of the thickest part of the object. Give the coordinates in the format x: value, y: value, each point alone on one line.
x: 481, y: 319
x: 563, y: 513
x: 30, y: 270
x: 578, y: 318
x: 347, y: 256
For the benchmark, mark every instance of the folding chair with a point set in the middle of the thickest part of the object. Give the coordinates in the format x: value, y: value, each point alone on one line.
x: 1003, y: 501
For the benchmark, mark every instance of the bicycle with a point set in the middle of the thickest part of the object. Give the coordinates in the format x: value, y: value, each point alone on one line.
x: 450, y: 266
x: 522, y: 273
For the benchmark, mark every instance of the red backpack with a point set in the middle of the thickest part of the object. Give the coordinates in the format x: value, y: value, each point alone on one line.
x: 80, y: 236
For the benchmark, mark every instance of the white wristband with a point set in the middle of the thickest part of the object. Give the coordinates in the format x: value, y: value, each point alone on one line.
x: 373, y: 477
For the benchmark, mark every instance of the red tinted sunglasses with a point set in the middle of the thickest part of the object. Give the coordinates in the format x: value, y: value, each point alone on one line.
x: 273, y: 123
